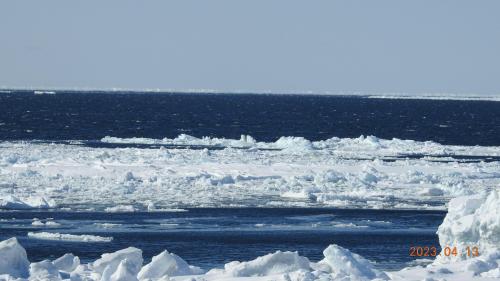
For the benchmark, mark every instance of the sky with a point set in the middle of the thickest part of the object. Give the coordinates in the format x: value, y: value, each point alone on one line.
x: 384, y: 46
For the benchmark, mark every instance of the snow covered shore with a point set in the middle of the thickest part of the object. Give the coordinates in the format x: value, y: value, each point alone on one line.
x: 364, y: 172
x: 471, y: 220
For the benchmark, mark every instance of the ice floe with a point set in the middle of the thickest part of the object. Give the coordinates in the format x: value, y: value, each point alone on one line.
x: 68, y: 237
x: 120, y: 209
x: 47, y: 223
x: 364, y: 172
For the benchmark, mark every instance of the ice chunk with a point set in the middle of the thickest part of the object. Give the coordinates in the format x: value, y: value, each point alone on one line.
x: 271, y: 264
x: 121, y: 209
x: 44, y: 271
x: 247, y: 139
x: 130, y: 177
x: 126, y: 271
x: 329, y: 176
x: 300, y: 195
x: 52, y: 223
x: 67, y: 263
x: 294, y: 144
x: 494, y: 273
x: 14, y: 203
x: 471, y: 221
x: 68, y: 237
x: 345, y: 265
x: 84, y: 272
x: 432, y: 191
x: 38, y: 222
x: 108, y: 263
x: 167, y: 264
x: 13, y: 259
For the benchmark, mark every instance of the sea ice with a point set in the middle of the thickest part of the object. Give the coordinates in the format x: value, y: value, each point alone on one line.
x: 49, y: 223
x: 67, y: 263
x: 167, y: 264
x: 68, y: 237
x: 107, y: 265
x: 13, y: 259
x: 126, y: 271
x: 472, y: 221
x: 121, y: 209
x: 44, y: 271
x: 364, y: 172
x: 345, y: 265
x: 15, y: 203
x: 271, y: 264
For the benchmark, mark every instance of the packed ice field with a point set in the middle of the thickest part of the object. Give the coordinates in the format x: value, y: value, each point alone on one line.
x: 153, y: 174
x: 128, y: 175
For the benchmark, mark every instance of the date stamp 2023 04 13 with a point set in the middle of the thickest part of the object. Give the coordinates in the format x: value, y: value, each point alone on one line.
x: 431, y: 251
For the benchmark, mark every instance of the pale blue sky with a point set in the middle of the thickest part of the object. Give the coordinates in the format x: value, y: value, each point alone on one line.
x: 259, y: 45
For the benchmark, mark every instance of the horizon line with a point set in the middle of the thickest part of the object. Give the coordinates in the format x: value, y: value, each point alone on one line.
x: 366, y: 94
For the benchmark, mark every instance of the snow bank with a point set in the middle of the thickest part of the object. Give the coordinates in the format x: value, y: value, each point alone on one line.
x: 68, y: 237
x: 13, y: 259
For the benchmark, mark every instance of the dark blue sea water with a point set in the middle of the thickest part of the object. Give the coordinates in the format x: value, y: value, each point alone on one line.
x: 211, y: 237
x: 91, y: 116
